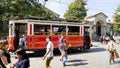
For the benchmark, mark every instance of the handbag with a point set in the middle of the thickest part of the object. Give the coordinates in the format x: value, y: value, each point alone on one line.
x: 112, y: 49
x: 116, y: 55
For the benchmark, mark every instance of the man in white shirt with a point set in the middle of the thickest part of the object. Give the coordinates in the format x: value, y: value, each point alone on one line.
x: 49, y: 52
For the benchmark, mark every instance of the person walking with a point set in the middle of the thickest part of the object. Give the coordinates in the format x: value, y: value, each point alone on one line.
x: 22, y: 42
x: 49, y: 52
x: 111, y: 49
x: 4, y: 55
x: 60, y: 47
x: 23, y: 60
x: 106, y: 39
x: 64, y: 55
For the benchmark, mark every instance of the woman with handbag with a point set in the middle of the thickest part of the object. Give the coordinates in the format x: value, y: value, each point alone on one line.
x: 111, y: 49
x: 64, y: 55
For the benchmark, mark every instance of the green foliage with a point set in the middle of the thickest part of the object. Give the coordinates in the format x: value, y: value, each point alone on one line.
x: 17, y: 9
x: 76, y: 11
x: 116, y: 26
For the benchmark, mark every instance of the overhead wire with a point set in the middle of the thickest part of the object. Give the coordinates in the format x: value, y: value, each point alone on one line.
x: 61, y: 2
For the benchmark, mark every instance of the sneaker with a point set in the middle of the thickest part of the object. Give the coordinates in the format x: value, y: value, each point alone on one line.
x: 64, y: 65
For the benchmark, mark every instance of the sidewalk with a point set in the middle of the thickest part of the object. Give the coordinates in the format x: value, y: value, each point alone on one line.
x: 96, y: 44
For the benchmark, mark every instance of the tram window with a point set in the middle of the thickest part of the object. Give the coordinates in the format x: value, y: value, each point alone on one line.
x: 73, y: 30
x: 41, y: 30
x: 59, y: 30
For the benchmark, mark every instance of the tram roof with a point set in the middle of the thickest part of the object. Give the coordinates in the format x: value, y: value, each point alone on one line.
x: 46, y: 22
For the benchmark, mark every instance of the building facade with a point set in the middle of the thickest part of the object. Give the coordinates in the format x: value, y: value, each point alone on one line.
x: 98, y: 23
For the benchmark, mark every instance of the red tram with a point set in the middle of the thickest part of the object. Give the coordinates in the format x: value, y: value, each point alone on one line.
x: 76, y: 34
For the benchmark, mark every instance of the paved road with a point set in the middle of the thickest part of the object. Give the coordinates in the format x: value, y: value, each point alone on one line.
x: 96, y: 57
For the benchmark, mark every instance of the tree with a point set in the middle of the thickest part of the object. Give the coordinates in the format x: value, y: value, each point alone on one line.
x: 116, y: 26
x: 76, y: 11
x: 17, y: 9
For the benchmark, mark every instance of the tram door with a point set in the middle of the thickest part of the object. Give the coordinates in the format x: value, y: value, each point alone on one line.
x: 87, y: 37
x: 20, y: 29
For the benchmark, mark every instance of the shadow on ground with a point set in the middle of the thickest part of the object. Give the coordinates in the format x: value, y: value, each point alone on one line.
x: 97, y: 50
x: 92, y: 50
x: 77, y: 62
x: 70, y: 51
x: 116, y: 62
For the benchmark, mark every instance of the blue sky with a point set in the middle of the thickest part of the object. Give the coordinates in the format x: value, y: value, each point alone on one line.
x: 94, y: 6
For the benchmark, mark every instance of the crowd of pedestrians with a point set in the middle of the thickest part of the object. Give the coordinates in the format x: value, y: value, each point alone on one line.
x: 111, y: 42
x: 23, y: 59
x: 105, y: 39
x: 63, y: 47
x: 21, y: 55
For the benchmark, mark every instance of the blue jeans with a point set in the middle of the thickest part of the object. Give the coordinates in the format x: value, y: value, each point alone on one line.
x: 64, y: 60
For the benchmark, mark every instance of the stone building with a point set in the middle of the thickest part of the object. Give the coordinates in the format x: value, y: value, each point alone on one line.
x: 110, y: 27
x: 98, y: 23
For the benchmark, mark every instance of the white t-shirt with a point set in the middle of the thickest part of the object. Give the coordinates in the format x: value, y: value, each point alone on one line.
x: 22, y: 41
x: 50, y: 45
